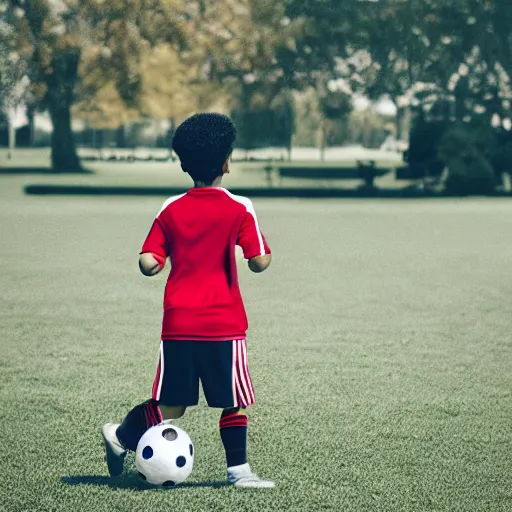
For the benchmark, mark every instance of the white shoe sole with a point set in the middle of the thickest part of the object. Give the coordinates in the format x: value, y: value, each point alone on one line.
x: 254, y: 484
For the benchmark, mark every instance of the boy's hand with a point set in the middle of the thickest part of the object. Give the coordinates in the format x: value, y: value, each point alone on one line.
x: 151, y: 264
x: 260, y: 263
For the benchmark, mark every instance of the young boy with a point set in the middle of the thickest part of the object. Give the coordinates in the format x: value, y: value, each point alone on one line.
x: 204, y: 323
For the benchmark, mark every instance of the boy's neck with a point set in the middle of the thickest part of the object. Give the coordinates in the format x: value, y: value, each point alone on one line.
x: 217, y: 182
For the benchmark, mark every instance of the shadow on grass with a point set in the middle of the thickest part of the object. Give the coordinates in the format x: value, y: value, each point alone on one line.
x: 39, y: 170
x: 133, y: 481
x: 263, y: 192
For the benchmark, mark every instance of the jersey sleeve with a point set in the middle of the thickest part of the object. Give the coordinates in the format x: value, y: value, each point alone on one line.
x: 157, y: 241
x: 250, y: 238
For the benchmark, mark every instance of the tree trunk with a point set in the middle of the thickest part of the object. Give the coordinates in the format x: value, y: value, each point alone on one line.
x: 289, y: 139
x: 121, y: 136
x: 507, y: 182
x: 64, y: 155
x: 170, y: 132
x: 12, y: 137
x: 31, y: 125
x: 403, y: 123
x: 461, y: 93
x: 323, y: 137
x: 289, y: 110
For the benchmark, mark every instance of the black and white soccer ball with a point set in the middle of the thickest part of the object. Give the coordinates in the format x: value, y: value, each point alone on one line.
x: 165, y: 455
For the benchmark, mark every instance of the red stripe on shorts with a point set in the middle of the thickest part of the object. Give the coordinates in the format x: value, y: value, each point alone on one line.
x: 242, y: 401
x: 246, y: 371
x: 245, y: 384
x: 238, y: 397
x: 241, y: 389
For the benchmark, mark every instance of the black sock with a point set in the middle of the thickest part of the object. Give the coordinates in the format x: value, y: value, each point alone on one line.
x: 233, y: 432
x: 137, y: 422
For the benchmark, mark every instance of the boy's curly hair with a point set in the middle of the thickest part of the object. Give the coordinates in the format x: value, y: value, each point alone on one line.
x: 203, y: 142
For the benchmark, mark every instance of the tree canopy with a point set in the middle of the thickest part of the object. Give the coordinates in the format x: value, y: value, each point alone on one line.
x: 111, y: 61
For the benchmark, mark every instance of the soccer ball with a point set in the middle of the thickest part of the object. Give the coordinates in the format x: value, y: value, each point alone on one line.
x: 165, y: 455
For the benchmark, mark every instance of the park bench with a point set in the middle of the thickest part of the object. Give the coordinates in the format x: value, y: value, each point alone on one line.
x: 366, y: 171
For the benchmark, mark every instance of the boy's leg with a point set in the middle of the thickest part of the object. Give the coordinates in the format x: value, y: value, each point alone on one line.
x: 126, y: 436
x: 176, y: 386
x: 141, y: 418
x: 233, y: 432
x: 227, y: 384
x: 172, y: 412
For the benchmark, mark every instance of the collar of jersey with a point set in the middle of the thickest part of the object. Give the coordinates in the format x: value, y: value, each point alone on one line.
x: 195, y: 189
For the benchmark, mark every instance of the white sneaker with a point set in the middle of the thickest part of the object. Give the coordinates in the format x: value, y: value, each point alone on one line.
x: 115, y: 452
x: 242, y: 476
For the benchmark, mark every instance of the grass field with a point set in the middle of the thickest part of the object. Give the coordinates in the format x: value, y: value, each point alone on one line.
x: 380, y: 348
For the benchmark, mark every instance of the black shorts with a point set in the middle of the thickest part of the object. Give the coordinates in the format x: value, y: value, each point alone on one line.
x: 221, y: 366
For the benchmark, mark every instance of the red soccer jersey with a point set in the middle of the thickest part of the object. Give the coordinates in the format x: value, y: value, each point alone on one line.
x: 199, y: 230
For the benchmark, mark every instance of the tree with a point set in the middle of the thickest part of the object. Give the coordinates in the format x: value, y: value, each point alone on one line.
x: 13, y: 79
x: 114, y: 34
x: 54, y: 53
x: 239, y: 44
x: 440, y: 52
x: 260, y: 52
x: 307, y: 117
x: 115, y: 61
x: 335, y: 106
x: 487, y: 43
x: 8, y: 78
x: 164, y: 92
x: 401, y: 50
x: 322, y: 32
x: 263, y: 121
x: 469, y: 170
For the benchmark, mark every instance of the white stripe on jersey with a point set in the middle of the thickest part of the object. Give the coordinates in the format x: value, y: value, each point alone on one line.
x: 168, y: 202
x: 250, y: 208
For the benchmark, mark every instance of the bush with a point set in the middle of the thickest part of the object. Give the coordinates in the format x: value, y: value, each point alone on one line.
x: 470, y: 178
x: 502, y: 160
x: 469, y: 171
x: 424, y: 141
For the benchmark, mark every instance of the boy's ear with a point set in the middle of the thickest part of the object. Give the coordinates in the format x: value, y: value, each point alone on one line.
x: 225, y: 166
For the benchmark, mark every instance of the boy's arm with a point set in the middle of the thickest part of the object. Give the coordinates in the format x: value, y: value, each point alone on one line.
x: 253, y: 243
x: 154, y: 250
x: 151, y: 264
